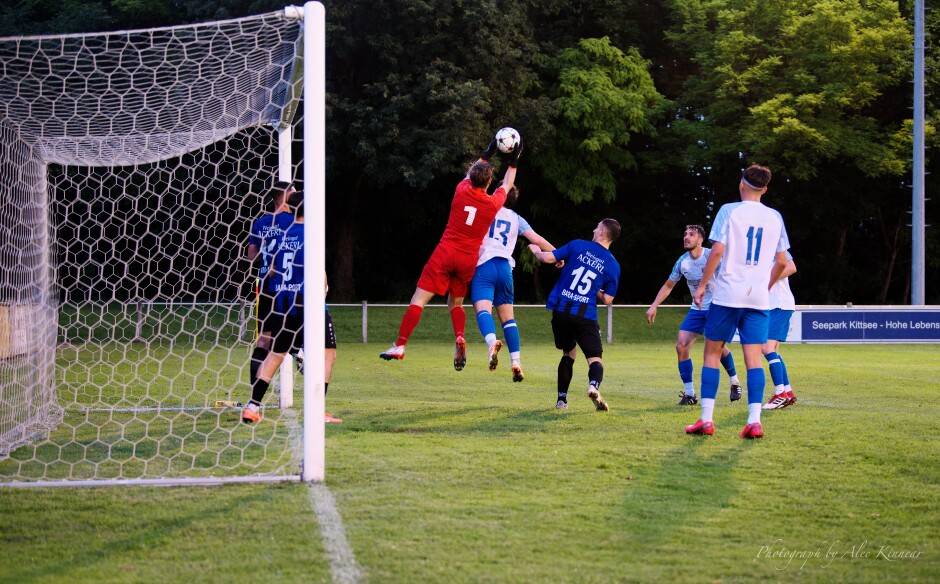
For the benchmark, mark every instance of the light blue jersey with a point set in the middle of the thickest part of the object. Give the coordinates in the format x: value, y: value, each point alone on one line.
x: 752, y: 234
x: 692, y: 269
x: 500, y: 241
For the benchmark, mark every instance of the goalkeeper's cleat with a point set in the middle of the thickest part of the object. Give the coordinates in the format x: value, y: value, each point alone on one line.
x: 687, y: 400
x: 735, y: 392
x: 460, y: 354
x: 700, y: 427
x: 517, y: 374
x: 791, y: 398
x: 599, y: 403
x: 395, y: 352
x: 299, y: 360
x: 494, y: 354
x: 754, y: 430
x: 561, y: 406
x: 251, y: 416
x: 331, y: 420
x: 776, y: 402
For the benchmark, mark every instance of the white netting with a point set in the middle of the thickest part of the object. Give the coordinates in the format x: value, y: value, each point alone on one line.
x: 131, y: 167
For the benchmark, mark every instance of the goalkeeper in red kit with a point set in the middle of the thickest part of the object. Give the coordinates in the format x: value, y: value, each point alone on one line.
x: 451, y: 266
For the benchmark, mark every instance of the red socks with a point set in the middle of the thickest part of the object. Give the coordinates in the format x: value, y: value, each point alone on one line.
x: 459, y: 318
x: 408, y: 323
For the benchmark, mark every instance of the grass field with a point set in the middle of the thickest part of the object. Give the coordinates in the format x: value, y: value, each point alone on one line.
x: 443, y: 476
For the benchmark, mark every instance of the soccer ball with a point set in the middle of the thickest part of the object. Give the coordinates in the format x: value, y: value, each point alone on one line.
x: 507, y: 139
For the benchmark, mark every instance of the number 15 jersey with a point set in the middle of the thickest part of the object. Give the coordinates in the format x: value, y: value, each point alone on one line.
x: 752, y: 234
x: 589, y: 267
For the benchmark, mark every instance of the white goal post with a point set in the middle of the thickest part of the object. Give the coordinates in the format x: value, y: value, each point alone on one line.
x: 132, y: 164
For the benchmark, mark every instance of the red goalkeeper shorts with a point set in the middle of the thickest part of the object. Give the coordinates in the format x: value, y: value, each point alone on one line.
x: 448, y: 270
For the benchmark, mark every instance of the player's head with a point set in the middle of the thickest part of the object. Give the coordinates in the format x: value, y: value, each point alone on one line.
x: 481, y: 173
x: 280, y: 192
x: 607, y: 230
x: 693, y: 236
x: 755, y: 178
x: 512, y: 197
x: 296, y: 202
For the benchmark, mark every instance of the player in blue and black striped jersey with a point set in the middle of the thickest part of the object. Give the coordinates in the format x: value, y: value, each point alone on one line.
x: 285, y: 279
x: 590, y: 274
x: 262, y: 243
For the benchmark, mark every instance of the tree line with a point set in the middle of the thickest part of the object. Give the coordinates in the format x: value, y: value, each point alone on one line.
x: 642, y: 111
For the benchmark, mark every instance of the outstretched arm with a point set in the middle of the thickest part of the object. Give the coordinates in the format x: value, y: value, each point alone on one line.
x: 546, y: 257
x: 660, y: 296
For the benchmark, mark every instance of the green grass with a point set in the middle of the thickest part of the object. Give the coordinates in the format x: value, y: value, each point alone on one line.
x: 443, y: 476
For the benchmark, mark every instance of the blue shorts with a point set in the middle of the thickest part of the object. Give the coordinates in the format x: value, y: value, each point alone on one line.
x: 492, y: 281
x: 694, y: 321
x: 751, y: 324
x: 779, y: 324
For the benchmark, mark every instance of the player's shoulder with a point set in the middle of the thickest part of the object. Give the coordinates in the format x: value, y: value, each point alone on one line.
x: 683, y: 257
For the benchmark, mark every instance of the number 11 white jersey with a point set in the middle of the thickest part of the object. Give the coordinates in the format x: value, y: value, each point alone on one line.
x: 752, y: 233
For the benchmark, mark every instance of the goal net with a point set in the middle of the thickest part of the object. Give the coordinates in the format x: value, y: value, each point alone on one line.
x: 131, y: 167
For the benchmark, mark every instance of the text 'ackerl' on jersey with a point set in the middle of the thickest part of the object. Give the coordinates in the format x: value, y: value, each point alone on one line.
x: 752, y: 233
x: 589, y: 267
x: 266, y: 232
x: 287, y: 277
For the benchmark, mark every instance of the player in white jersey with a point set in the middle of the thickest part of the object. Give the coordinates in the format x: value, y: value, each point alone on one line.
x: 492, y: 281
x: 782, y: 305
x: 749, y: 241
x: 691, y: 266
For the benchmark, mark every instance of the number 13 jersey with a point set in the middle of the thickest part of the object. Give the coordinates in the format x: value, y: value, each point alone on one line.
x: 752, y: 234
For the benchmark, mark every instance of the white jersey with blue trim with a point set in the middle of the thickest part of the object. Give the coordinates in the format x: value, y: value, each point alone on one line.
x: 752, y: 234
x: 692, y: 269
x: 500, y: 241
x: 780, y: 295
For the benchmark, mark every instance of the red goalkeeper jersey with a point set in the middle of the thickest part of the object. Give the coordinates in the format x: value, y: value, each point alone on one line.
x: 471, y: 213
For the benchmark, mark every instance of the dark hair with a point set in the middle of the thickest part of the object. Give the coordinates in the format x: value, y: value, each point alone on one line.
x: 481, y: 173
x: 296, y: 203
x: 698, y: 228
x: 512, y: 197
x: 612, y: 226
x: 756, y: 176
x: 278, y: 191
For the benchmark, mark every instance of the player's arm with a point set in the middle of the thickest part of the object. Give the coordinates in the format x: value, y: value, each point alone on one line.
x: 510, y: 177
x: 604, y: 297
x: 660, y: 296
x: 787, y: 272
x: 543, y: 244
x: 252, y: 252
x: 779, y: 266
x: 546, y: 257
x: 718, y: 250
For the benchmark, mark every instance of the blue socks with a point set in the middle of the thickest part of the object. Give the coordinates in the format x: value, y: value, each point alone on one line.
x: 777, y: 370
x: 511, y: 332
x: 685, y: 374
x: 755, y: 385
x: 710, y: 379
x: 727, y: 361
x: 486, y: 324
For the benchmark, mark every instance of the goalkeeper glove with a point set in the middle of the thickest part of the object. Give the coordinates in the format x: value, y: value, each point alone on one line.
x: 490, y: 151
x: 514, y: 155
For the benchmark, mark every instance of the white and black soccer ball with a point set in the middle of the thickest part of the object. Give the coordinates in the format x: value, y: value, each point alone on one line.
x: 507, y: 139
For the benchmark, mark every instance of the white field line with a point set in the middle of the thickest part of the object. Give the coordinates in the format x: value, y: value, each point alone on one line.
x: 343, y: 566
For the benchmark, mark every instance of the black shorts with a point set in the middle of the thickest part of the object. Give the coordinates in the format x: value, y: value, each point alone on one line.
x: 264, y: 306
x: 288, y: 332
x: 571, y: 330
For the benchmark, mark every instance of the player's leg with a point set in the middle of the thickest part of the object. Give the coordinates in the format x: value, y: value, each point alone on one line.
x: 408, y: 324
x: 719, y: 329
x: 263, y: 308
x: 504, y: 296
x: 458, y: 319
x: 688, y: 333
x: 283, y: 330
x: 753, y: 328
x: 565, y: 341
x: 329, y: 353
x: 727, y: 361
x: 777, y: 331
x: 507, y: 317
x: 589, y: 339
x: 482, y: 290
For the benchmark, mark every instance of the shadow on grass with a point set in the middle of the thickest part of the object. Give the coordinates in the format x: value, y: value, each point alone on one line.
x: 486, y: 420
x: 669, y: 504
x: 151, y: 531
